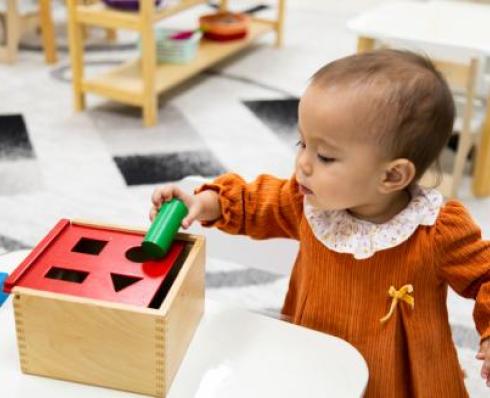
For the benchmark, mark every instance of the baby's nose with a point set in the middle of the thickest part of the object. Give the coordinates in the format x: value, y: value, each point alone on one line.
x: 305, y: 166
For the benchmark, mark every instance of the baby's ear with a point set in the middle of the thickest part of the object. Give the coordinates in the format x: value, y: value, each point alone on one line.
x: 398, y: 174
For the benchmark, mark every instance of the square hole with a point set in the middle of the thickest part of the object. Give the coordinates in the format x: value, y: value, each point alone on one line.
x: 89, y: 246
x: 67, y: 275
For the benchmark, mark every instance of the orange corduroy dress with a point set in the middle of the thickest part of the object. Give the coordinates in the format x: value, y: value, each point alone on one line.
x: 411, y: 354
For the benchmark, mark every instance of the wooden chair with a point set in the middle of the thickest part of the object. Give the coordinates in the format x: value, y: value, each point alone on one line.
x: 19, y: 16
x: 468, y: 124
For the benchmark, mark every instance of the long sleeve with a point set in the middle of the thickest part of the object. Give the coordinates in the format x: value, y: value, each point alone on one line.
x: 465, y: 260
x: 268, y: 207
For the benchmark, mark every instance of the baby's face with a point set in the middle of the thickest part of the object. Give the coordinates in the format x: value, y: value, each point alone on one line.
x: 339, y: 163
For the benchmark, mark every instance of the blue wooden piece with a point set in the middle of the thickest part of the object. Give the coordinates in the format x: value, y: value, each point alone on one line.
x: 3, y: 296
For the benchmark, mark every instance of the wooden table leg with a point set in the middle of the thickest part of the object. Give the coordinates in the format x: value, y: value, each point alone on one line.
x: 148, y: 64
x: 76, y: 56
x: 481, y: 176
x: 280, y: 23
x: 365, y: 44
x: 13, y: 26
x: 47, y: 31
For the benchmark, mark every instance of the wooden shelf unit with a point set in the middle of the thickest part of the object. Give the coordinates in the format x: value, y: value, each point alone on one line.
x: 138, y: 82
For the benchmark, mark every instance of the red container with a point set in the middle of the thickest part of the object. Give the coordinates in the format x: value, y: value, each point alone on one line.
x: 224, y: 26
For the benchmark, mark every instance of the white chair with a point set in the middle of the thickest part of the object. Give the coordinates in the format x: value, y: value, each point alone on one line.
x: 470, y: 114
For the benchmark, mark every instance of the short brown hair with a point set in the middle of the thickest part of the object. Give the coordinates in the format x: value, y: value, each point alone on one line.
x: 413, y: 108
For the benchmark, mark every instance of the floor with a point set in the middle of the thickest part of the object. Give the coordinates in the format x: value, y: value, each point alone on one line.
x: 240, y: 116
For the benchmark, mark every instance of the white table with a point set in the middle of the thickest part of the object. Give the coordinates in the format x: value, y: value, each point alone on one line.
x: 458, y: 26
x: 234, y: 353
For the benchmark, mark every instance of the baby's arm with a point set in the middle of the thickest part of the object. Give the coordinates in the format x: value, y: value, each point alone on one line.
x: 267, y: 207
x: 465, y: 265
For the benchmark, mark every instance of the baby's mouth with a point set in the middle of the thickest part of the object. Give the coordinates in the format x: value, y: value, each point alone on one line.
x: 304, y: 190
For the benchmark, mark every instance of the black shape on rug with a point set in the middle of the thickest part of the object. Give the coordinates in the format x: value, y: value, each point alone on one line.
x: 281, y: 115
x: 14, y: 138
x: 158, y: 168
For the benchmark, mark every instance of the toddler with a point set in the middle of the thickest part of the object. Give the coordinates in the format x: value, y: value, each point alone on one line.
x: 377, y: 251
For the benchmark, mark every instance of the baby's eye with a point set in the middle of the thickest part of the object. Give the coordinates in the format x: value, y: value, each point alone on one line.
x: 301, y: 144
x: 325, y: 159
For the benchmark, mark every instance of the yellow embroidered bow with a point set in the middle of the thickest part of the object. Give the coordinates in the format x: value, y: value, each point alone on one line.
x: 402, y: 294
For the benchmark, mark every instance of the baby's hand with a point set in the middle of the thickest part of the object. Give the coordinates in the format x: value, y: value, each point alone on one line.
x: 170, y: 191
x: 484, y: 354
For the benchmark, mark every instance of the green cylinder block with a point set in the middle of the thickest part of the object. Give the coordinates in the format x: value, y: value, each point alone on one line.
x: 162, y: 231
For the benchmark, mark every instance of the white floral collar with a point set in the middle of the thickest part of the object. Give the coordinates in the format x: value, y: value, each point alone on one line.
x: 341, y: 232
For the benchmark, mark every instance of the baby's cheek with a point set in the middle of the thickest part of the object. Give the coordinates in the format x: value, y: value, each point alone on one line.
x: 365, y: 183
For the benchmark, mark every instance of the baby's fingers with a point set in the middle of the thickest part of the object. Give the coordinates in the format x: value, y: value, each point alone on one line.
x: 166, y: 193
x: 191, y: 217
x: 160, y: 195
x: 485, y: 372
x: 153, y: 213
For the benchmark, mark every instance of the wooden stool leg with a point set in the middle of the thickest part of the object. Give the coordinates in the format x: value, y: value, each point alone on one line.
x: 76, y: 56
x: 150, y: 113
x: 481, y: 177
x: 47, y: 31
x: 148, y: 64
x: 13, y: 25
x: 280, y: 23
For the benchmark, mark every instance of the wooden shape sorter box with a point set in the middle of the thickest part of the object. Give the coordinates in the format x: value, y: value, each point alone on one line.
x: 90, y: 308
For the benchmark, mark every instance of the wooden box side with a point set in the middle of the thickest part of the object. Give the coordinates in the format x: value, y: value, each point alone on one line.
x: 183, y: 307
x: 89, y: 341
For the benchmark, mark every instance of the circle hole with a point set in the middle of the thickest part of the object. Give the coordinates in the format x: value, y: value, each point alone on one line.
x: 137, y: 255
